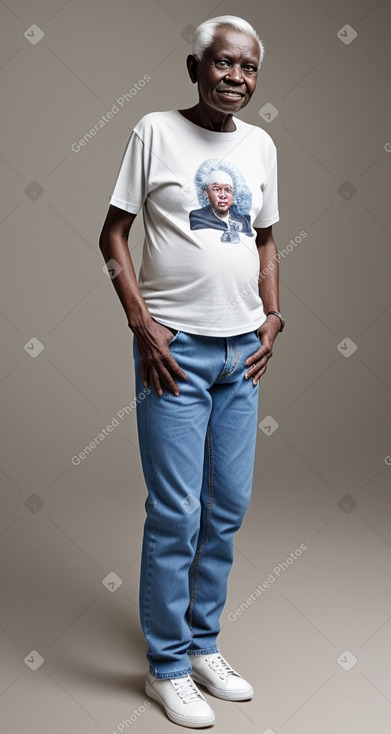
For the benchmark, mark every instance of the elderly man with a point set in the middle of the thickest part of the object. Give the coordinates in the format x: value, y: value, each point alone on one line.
x: 201, y: 358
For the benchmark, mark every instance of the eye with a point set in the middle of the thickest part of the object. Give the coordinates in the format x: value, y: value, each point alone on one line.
x: 222, y: 63
x: 250, y: 69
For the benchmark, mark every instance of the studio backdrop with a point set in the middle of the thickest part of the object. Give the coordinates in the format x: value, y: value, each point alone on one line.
x: 308, y: 610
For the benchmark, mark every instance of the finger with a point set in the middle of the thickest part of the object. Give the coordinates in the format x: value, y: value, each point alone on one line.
x: 167, y: 379
x: 155, y: 381
x: 258, y: 375
x: 262, y: 359
x: 144, y: 373
x: 258, y: 365
x: 161, y: 378
x: 174, y: 367
x: 255, y: 356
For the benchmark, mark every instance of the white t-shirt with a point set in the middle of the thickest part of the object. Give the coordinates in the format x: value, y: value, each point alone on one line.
x: 202, y: 193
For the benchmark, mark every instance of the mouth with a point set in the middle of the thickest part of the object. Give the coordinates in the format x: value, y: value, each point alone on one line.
x: 230, y: 94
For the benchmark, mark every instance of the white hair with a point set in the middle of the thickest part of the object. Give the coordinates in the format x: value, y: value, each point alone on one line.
x: 218, y: 176
x: 204, y: 34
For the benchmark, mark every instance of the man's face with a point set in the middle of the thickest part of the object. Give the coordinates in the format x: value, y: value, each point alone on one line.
x: 220, y: 196
x: 227, y: 73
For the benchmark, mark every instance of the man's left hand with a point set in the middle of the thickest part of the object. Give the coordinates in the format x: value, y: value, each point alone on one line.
x: 259, y: 359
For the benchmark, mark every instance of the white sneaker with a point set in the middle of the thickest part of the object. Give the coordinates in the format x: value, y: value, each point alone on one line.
x: 213, y: 672
x: 182, y: 701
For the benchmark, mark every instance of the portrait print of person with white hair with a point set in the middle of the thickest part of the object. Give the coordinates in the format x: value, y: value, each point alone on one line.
x: 195, y: 173
x: 220, y: 211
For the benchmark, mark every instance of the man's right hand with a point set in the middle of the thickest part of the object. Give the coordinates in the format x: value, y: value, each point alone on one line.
x: 157, y: 365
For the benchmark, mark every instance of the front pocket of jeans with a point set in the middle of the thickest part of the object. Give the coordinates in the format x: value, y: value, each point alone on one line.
x: 174, y: 338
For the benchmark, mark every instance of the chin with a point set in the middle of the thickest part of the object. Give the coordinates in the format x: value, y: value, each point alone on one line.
x: 231, y: 106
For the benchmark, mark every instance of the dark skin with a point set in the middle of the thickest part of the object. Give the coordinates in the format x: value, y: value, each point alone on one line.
x: 226, y: 77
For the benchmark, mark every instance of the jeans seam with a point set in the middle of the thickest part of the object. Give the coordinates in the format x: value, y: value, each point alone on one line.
x: 152, y: 539
x: 207, y: 533
x: 227, y: 373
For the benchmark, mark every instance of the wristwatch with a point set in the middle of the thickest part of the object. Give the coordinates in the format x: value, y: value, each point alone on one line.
x: 280, y: 316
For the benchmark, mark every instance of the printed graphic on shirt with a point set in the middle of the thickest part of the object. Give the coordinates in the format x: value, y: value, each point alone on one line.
x: 224, y: 198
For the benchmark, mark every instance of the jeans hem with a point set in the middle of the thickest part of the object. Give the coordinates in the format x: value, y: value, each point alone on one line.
x: 205, y: 651
x: 176, y: 674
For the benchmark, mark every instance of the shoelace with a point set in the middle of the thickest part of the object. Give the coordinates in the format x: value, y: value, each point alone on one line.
x: 186, y: 689
x: 220, y: 666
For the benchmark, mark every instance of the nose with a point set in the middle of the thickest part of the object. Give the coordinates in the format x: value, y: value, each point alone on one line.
x: 235, y: 74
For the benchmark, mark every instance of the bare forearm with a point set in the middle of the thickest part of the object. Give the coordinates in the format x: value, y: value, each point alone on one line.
x: 269, y: 276
x: 114, y: 245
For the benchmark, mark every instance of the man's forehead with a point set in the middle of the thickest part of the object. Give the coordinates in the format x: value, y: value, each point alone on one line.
x: 232, y: 41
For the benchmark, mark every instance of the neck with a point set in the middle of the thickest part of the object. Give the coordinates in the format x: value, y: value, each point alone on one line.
x: 209, y: 118
x: 220, y: 215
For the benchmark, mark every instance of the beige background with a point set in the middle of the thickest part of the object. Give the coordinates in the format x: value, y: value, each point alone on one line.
x: 322, y: 479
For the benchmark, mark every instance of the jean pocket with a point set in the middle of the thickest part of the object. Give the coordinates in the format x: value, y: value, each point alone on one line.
x: 174, y: 337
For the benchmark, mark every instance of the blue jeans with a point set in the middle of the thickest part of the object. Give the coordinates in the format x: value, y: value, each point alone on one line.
x: 197, y: 453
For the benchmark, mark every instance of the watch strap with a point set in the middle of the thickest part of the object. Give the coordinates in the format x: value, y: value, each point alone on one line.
x: 280, y: 316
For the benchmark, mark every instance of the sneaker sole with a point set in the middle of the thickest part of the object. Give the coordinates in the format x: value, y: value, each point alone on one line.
x: 195, y: 723
x: 225, y: 695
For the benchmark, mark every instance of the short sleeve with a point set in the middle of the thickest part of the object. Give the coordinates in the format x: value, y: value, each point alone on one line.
x: 130, y: 189
x: 269, y: 213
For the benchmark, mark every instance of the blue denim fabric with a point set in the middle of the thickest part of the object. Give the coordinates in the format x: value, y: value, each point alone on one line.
x: 197, y: 452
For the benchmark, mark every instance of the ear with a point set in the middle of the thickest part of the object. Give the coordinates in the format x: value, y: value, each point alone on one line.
x: 192, y: 67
